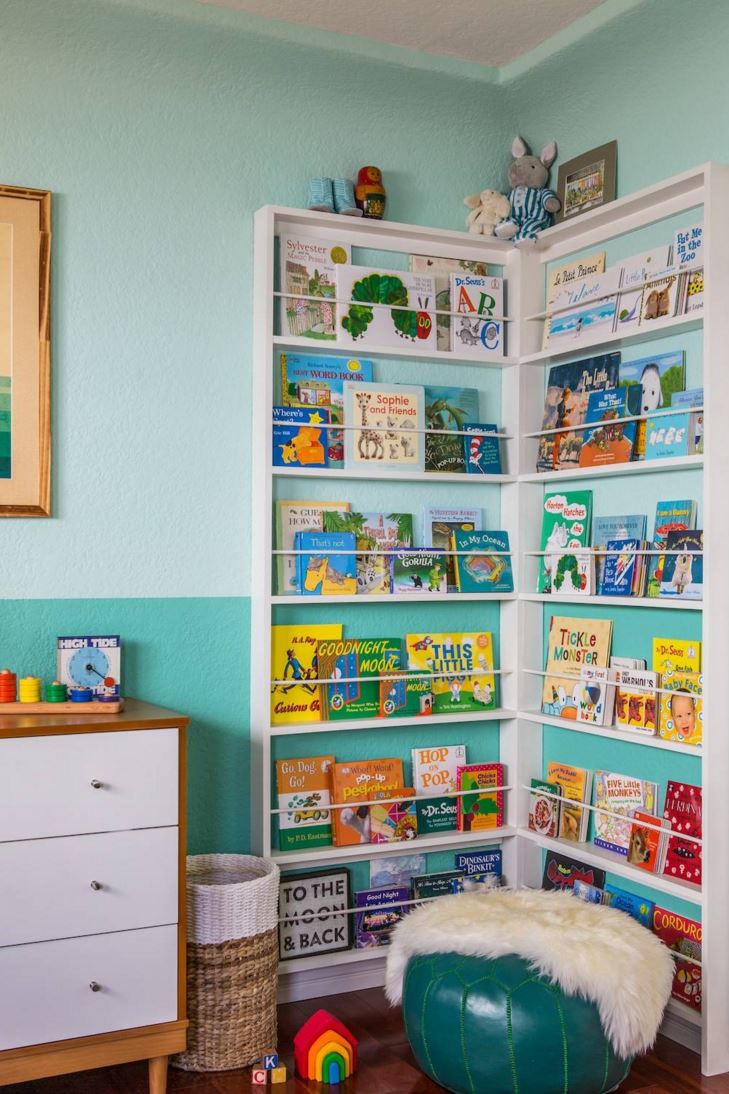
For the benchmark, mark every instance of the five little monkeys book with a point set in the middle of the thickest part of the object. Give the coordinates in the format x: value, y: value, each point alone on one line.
x: 350, y: 663
x: 315, y: 382
x: 461, y: 666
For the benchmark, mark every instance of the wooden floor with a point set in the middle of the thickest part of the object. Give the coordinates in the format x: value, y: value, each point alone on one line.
x: 386, y: 1064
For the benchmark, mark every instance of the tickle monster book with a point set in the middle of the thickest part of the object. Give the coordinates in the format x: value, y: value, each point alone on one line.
x: 294, y: 662
x: 572, y: 644
x: 460, y: 663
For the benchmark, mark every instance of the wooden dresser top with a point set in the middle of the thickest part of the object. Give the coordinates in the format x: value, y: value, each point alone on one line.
x: 136, y: 715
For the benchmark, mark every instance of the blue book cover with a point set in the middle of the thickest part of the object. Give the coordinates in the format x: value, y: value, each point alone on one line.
x: 317, y: 380
x: 373, y: 922
x: 619, y: 569
x: 624, y: 526
x: 657, y: 377
x: 671, y: 516
x: 612, y: 441
x: 569, y: 387
x: 479, y: 862
x: 636, y: 906
x: 682, y: 577
x: 589, y: 893
x: 667, y: 436
x: 327, y: 565
x: 483, y: 571
x: 482, y: 453
x: 687, y: 400
x: 298, y: 439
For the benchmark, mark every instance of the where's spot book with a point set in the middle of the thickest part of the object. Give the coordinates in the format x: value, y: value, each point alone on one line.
x: 304, y: 787
x: 326, y: 564
x: 448, y: 410
x: 486, y: 565
x: 460, y: 664
x: 355, y: 665
x: 298, y: 437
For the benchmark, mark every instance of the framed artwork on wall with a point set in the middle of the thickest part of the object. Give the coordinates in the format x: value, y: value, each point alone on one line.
x: 587, y: 181
x: 313, y: 916
x: 25, y: 358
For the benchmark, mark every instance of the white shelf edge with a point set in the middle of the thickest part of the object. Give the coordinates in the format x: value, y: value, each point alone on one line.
x: 610, y: 732
x: 404, y: 351
x: 674, y: 324
x: 393, y: 598
x: 615, y: 601
x: 423, y: 844
x: 294, y: 729
x: 636, y: 467
x: 388, y: 474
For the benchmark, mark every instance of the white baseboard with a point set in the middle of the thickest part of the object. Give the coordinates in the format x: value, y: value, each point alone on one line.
x: 681, y: 1029
x: 315, y: 983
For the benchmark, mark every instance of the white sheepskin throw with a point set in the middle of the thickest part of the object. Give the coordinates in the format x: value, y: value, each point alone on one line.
x: 595, y: 952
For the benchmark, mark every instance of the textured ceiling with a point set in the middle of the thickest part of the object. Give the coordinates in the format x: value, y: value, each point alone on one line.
x: 490, y: 32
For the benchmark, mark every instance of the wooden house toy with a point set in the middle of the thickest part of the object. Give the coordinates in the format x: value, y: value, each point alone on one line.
x: 325, y: 1050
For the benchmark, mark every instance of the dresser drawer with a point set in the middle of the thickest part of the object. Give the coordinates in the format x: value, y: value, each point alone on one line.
x: 46, y: 888
x: 45, y: 993
x: 88, y: 782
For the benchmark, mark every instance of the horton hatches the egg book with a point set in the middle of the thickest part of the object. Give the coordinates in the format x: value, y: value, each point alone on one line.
x: 565, y: 528
x: 294, y: 698
x: 572, y: 644
x: 461, y: 664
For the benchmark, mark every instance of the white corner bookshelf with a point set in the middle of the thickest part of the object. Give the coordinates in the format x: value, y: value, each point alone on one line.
x: 527, y: 739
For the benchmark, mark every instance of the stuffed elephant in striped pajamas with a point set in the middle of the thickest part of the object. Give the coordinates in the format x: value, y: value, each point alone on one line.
x: 532, y: 204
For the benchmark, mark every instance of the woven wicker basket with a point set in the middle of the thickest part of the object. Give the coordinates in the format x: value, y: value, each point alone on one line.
x: 232, y: 961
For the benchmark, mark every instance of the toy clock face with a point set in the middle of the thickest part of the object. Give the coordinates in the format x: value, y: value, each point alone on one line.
x: 88, y: 667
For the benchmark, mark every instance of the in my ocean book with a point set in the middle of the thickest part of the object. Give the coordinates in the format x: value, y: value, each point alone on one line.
x: 487, y: 567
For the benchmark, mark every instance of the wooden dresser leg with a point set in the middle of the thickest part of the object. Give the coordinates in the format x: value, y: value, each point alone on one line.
x: 158, y: 1075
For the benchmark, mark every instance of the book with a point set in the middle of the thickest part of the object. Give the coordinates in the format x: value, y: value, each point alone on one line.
x: 624, y: 526
x: 617, y: 797
x: 378, y: 912
x: 683, y: 936
x: 448, y: 409
x: 671, y: 516
x: 636, y: 701
x: 688, y: 400
x: 406, y: 320
x: 660, y: 296
x: 682, y: 808
x: 356, y: 782
x: 308, y: 269
x: 668, y: 437
x: 355, y: 664
x: 596, y: 699
x: 573, y: 574
x: 682, y: 707
x: 438, y: 524
x: 585, y: 311
x: 429, y: 886
x: 567, y: 274
x: 304, y: 788
x: 387, y: 418
x: 618, y: 575
x: 394, y: 822
x: 576, y: 785
x: 591, y: 289
x: 316, y: 381
x: 292, y: 516
x: 405, y: 694
x: 688, y: 247
x: 611, y: 442
x: 395, y: 870
x: 460, y: 664
x: 480, y: 571
x: 376, y: 535
x: 475, y: 883
x: 571, y: 645
x: 294, y: 663
x: 480, y: 863
x: 480, y: 811
x: 481, y: 450
x: 298, y: 439
x: 440, y: 269
x: 647, y: 846
x: 655, y: 379
x: 419, y: 570
x: 565, y: 404
x: 671, y: 655
x: 543, y: 808
x: 561, y: 872
x: 637, y: 907
x: 565, y: 528
x: 434, y: 770
x: 683, y: 569
x: 478, y: 330
x: 326, y: 565
x: 638, y: 268
x: 589, y: 893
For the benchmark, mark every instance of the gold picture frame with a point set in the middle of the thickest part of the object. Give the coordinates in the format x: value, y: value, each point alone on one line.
x: 587, y: 181
x: 25, y: 352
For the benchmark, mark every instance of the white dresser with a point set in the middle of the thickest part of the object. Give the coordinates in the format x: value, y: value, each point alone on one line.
x: 92, y: 929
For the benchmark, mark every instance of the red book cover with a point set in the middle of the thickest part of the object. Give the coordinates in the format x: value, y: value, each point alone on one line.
x: 683, y: 810
x: 682, y: 936
x: 645, y: 849
x: 480, y: 811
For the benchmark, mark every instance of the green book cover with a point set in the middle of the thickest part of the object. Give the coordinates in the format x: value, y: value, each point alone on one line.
x: 409, y: 695
x: 346, y: 661
x: 450, y: 409
x: 566, y: 518
x: 426, y: 886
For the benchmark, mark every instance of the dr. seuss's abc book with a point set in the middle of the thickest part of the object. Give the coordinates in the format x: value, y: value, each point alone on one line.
x: 565, y: 527
x: 572, y: 644
x: 478, y: 330
x: 440, y: 269
x: 448, y: 410
x: 486, y: 568
x: 565, y: 404
x: 304, y: 788
x: 683, y: 809
x: 317, y: 382
x: 434, y: 771
x: 357, y: 782
x: 308, y: 275
x: 294, y: 516
x: 294, y: 698
x: 350, y: 663
x: 385, y: 424
x: 406, y: 321
x: 479, y: 810
x: 299, y: 439
x: 460, y: 664
x: 419, y: 570
x: 326, y: 565
x: 682, y: 936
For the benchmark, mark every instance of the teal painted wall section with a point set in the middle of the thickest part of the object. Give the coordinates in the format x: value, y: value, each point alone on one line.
x: 189, y: 654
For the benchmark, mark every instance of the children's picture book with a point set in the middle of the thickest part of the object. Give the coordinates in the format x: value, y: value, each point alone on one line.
x: 596, y: 700
x: 304, y: 788
x: 682, y: 808
x: 376, y: 535
x: 419, y: 570
x: 294, y: 516
x: 430, y: 886
x: 655, y: 379
x: 567, y: 274
x: 688, y: 247
x: 693, y: 291
x: 561, y: 872
x: 298, y: 437
x: 379, y: 912
x: 478, y: 329
x: 660, y: 296
x: 682, y: 707
x: 90, y: 661
x: 394, y: 822
x: 621, y: 561
x: 585, y: 311
x: 355, y: 664
x: 572, y: 644
x: 386, y: 871
x: 668, y: 436
x: 405, y: 320
x: 447, y: 410
x: 587, y: 290
x: 638, y: 268
x: 683, y: 936
x: 480, y: 811
x: 672, y: 655
x: 576, y: 786
x: 637, y: 907
x: 482, y: 570
x: 441, y: 269
x: 648, y: 842
x: 617, y: 797
x: 434, y: 772
x: 624, y: 526
x: 683, y: 568
x: 565, y: 404
x: 574, y: 574
x: 294, y: 663
x: 308, y: 269
x: 689, y: 400
x: 565, y: 528
x: 405, y: 694
x: 671, y: 516
x: 315, y: 382
x: 438, y: 526
x: 611, y: 441
x: 481, y: 449
x: 589, y: 893
x: 636, y: 701
x: 354, y: 783
x: 544, y: 808
x: 627, y: 313
x: 326, y: 565
x: 480, y: 863
x: 461, y: 664
x: 387, y: 419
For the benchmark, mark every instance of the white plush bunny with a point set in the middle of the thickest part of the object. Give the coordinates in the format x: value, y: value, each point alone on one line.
x: 488, y: 209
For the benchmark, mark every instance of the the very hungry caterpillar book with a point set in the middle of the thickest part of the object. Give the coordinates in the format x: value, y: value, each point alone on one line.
x: 317, y: 381
x: 447, y: 410
x: 385, y: 420
x: 294, y: 516
x: 407, y: 319
x: 441, y: 269
x: 294, y: 663
x: 345, y: 660
x: 308, y: 269
x: 565, y: 404
x: 565, y: 527
x: 434, y: 770
x: 572, y: 644
x: 326, y: 565
x: 376, y: 534
x: 304, y: 787
x: 480, y: 811
x: 358, y: 782
x: 460, y: 663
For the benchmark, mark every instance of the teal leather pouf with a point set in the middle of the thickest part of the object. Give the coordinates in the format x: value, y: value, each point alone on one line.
x: 479, y: 1025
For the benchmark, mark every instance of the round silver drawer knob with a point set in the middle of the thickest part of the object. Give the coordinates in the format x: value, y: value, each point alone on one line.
x: 96, y: 885
x: 97, y: 784
x: 94, y: 986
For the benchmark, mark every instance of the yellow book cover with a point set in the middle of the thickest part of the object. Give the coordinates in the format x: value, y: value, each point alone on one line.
x: 293, y: 662
x: 682, y: 710
x: 572, y: 644
x: 676, y: 655
x: 463, y: 659
x: 576, y: 784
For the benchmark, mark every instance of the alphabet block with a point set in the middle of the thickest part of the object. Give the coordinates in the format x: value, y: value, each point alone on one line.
x: 269, y: 1061
x: 259, y: 1077
x: 278, y: 1075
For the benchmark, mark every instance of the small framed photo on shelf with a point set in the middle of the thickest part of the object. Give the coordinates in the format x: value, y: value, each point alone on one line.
x: 587, y: 181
